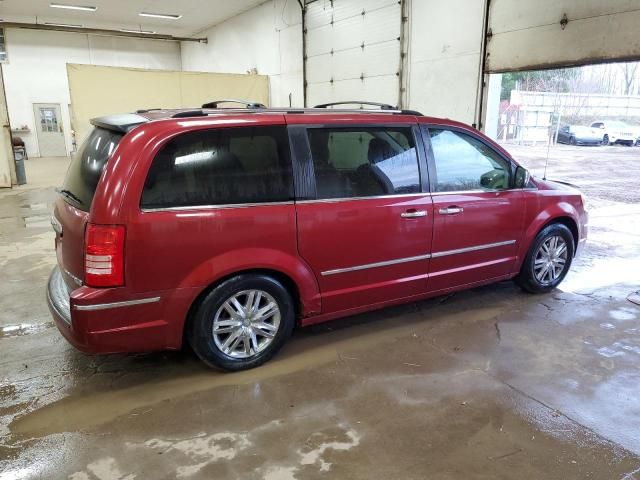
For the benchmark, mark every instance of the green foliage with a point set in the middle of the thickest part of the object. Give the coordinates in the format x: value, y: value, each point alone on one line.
x: 559, y: 80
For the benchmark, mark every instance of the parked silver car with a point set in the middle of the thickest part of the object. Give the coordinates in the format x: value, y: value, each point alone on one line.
x: 579, y: 135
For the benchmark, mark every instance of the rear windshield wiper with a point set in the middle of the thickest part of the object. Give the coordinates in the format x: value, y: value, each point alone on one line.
x: 70, y: 194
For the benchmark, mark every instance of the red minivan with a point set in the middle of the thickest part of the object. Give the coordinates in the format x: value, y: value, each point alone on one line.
x: 228, y: 227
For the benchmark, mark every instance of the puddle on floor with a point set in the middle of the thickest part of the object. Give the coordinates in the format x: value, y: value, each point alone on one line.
x: 23, y: 329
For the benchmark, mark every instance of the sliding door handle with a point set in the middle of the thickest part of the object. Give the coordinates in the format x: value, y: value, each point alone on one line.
x: 414, y: 214
x: 451, y: 210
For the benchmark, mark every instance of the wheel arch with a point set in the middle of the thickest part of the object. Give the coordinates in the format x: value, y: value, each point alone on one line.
x: 287, y: 281
x: 563, y: 216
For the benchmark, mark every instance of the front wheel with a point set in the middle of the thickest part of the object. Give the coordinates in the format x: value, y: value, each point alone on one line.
x: 242, y: 322
x: 605, y: 140
x: 548, y: 259
x: 572, y: 141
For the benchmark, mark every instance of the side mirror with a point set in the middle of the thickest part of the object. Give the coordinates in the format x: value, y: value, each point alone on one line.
x: 522, y: 177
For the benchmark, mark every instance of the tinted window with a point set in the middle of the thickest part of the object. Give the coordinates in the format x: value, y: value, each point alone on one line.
x: 222, y: 166
x: 364, y: 162
x: 465, y: 163
x: 87, y: 165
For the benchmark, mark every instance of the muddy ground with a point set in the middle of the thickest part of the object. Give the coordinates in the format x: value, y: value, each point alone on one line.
x: 488, y: 383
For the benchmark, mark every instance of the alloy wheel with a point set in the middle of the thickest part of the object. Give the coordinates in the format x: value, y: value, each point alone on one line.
x: 246, y: 323
x: 550, y: 260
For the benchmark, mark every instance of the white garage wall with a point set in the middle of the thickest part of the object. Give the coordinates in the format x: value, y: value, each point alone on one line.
x: 267, y: 38
x: 445, y: 41
x: 37, y: 73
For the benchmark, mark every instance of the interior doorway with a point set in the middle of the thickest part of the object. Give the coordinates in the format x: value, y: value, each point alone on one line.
x: 49, y: 130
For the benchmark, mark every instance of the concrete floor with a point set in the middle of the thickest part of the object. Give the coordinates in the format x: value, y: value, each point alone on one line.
x: 489, y: 383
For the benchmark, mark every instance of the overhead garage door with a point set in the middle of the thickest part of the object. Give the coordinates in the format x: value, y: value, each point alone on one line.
x: 548, y: 33
x: 353, y: 50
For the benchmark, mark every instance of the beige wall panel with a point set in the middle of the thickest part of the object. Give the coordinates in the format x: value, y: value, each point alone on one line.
x: 97, y: 90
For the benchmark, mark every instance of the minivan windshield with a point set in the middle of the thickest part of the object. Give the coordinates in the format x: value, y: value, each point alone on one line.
x: 86, y: 167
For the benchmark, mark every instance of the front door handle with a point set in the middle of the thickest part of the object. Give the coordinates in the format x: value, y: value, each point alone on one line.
x: 451, y: 210
x: 414, y: 214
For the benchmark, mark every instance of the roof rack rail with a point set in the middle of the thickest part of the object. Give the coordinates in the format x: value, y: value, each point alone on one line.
x: 189, y: 113
x: 146, y: 110
x: 383, y: 106
x: 215, y: 103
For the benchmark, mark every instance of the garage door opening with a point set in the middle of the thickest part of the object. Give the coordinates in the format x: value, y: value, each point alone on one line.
x: 548, y: 118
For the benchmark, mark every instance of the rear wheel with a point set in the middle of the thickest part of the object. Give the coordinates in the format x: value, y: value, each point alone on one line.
x: 242, y: 322
x: 548, y: 259
x: 605, y: 140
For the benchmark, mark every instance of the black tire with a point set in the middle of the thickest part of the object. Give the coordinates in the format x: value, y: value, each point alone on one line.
x: 200, y: 333
x: 605, y: 140
x: 527, y: 279
x: 572, y: 141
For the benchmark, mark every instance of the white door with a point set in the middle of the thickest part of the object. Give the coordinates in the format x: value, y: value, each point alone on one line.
x: 49, y: 130
x: 353, y: 51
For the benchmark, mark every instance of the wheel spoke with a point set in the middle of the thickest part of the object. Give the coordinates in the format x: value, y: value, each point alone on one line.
x: 254, y: 341
x: 233, y: 307
x: 221, y: 330
x: 256, y: 302
x: 561, y: 249
x: 266, y: 311
x: 265, y: 329
x: 248, y: 305
x: 543, y: 271
x: 247, y: 345
x: 231, y: 339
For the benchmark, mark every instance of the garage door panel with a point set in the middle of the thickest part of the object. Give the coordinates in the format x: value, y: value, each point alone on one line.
x: 351, y: 64
x: 321, y: 13
x: 353, y: 32
x: 528, y: 35
x: 550, y: 46
x: 336, y: 32
x: 547, y: 12
x: 378, y: 89
x: 452, y: 81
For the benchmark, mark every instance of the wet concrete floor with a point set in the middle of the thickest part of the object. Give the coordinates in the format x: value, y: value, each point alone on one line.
x: 489, y: 383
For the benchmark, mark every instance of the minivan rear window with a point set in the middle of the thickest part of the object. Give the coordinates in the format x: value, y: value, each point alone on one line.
x: 219, y: 167
x: 86, y: 167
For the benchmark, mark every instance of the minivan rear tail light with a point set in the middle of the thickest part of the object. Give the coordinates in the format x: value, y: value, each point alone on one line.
x: 104, y: 255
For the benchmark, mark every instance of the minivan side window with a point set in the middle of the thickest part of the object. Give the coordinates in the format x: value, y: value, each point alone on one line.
x: 221, y: 167
x: 364, y: 162
x: 465, y: 163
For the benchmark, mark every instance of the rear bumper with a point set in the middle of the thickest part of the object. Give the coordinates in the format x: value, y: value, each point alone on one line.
x: 111, y: 320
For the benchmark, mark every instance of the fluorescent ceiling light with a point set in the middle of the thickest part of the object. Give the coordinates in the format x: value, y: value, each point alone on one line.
x: 146, y: 32
x: 86, y: 8
x: 194, y: 157
x: 166, y: 16
x: 63, y: 25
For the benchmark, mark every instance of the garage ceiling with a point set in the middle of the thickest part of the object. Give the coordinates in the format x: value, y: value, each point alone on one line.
x: 197, y: 15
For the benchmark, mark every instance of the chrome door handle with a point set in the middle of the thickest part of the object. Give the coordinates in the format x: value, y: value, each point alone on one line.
x: 414, y: 214
x: 450, y: 210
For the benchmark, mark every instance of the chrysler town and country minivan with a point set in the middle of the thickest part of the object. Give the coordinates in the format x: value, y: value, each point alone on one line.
x: 228, y: 227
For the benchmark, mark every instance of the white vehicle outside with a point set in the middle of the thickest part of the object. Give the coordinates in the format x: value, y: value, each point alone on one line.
x: 615, y: 131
